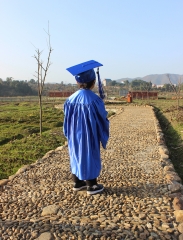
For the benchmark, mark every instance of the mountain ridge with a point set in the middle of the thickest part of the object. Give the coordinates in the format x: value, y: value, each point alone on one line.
x: 157, y: 79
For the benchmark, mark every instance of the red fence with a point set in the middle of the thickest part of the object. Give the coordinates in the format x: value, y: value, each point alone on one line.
x: 60, y: 94
x: 144, y: 95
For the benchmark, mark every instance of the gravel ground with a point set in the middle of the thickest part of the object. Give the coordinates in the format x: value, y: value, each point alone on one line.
x: 39, y: 203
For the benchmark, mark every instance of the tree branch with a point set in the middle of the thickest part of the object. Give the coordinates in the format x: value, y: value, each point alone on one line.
x: 173, y: 87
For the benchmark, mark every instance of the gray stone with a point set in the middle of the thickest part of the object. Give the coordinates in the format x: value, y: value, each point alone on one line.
x: 149, y: 225
x: 178, y: 203
x: 51, y: 209
x: 181, y: 237
x: 163, y: 150
x: 23, y: 169
x: 34, y: 233
x: 48, y: 154
x: 143, y: 236
x: 173, y: 177
x: 59, y: 148
x: 153, y: 234
x: 4, y: 182
x: 180, y: 227
x: 45, y: 236
x: 173, y: 195
x: 175, y: 187
x: 142, y: 216
x: 179, y: 215
x: 12, y: 177
x: 168, y: 168
x: 164, y: 156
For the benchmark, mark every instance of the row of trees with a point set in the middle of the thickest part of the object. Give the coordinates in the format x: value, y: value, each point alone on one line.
x: 10, y: 88
x: 140, y: 85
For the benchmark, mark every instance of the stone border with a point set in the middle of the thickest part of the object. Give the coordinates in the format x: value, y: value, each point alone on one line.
x: 24, y: 168
x: 173, y: 180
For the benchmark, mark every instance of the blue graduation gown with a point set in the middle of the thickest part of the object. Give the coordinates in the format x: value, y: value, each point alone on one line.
x: 85, y: 126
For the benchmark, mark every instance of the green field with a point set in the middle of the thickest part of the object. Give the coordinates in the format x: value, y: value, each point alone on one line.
x: 20, y: 141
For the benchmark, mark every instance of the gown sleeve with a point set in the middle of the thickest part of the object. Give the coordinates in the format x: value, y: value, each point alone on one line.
x: 67, y: 117
x: 102, y: 122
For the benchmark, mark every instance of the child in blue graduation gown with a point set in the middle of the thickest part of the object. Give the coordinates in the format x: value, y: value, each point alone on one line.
x: 85, y: 126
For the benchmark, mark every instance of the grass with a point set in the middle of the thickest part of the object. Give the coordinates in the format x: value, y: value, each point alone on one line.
x: 20, y: 142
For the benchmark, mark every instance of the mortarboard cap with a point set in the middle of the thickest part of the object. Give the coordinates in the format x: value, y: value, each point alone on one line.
x: 83, y: 67
x: 84, y: 73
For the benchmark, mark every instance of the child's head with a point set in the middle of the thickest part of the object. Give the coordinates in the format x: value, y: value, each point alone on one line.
x: 86, y: 80
x: 84, y: 73
x: 88, y: 85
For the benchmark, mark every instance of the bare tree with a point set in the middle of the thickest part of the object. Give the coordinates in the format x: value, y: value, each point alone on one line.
x: 41, y: 73
x: 147, y: 87
x: 177, y: 89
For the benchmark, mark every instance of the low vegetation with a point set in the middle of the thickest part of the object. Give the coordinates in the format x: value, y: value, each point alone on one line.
x: 20, y: 143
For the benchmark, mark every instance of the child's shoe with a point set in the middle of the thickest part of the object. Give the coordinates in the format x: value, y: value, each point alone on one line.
x: 79, y: 185
x: 95, y: 189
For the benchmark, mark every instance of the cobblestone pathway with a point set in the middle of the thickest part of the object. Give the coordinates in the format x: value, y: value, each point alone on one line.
x: 39, y: 203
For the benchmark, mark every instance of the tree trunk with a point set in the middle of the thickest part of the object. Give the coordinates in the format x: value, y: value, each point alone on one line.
x: 40, y: 114
x: 178, y: 103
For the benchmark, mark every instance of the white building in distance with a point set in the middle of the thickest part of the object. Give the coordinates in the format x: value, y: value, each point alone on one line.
x: 106, y: 82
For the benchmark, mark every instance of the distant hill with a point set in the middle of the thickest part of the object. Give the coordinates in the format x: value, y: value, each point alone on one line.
x: 158, y: 79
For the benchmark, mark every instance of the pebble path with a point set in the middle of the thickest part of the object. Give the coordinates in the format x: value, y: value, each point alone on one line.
x: 140, y: 184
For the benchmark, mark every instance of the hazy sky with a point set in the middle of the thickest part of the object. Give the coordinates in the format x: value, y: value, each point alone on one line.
x: 131, y: 38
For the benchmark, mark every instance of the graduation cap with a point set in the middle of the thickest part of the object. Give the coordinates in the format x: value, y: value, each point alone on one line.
x: 84, y: 73
x: 83, y: 67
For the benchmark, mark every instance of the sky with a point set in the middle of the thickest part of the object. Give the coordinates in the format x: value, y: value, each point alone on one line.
x: 131, y: 38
